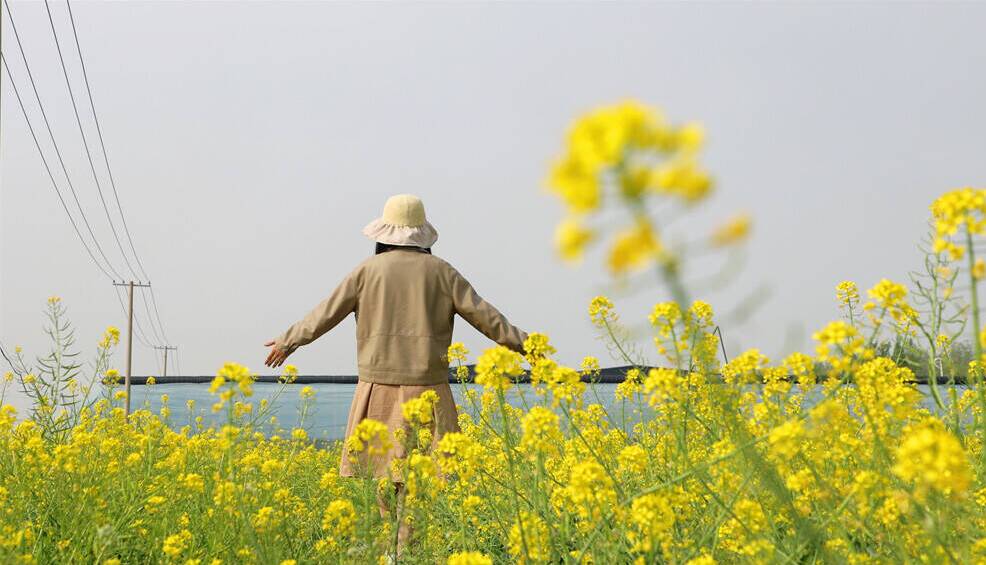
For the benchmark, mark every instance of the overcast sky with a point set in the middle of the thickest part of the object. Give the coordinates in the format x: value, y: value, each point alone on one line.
x: 251, y: 142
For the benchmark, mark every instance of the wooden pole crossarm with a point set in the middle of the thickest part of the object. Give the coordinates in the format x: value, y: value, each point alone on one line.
x: 166, y: 349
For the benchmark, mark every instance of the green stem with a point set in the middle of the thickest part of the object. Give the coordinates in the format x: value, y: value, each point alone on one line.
x: 669, y: 272
x: 974, y: 292
x: 508, y: 439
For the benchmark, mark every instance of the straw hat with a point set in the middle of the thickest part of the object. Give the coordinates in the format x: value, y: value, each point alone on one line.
x: 403, y: 223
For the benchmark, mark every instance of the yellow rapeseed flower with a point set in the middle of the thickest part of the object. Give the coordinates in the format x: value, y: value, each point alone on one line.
x: 964, y: 208
x: 632, y: 384
x: 339, y: 522
x: 571, y: 239
x: 537, y: 345
x: 459, y: 454
x: 496, y: 366
x: 457, y: 352
x: 290, y: 374
x: 663, y: 385
x: 682, y: 177
x: 540, y: 431
x: 420, y: 411
x: 531, y: 546
x: 634, y: 248
x: 176, y: 544
x: 932, y: 458
x: 601, y: 311
x: 785, y: 441
x: 469, y: 558
x: 892, y: 298
x: 733, y: 231
x: 651, y: 520
x: 847, y: 293
x: 371, y: 435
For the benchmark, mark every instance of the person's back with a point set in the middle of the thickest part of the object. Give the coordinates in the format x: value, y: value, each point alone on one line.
x: 405, y: 300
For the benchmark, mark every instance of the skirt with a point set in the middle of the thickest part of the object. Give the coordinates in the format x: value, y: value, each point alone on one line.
x: 383, y: 403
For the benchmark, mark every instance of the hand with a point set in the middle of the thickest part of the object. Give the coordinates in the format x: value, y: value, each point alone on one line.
x: 276, y: 356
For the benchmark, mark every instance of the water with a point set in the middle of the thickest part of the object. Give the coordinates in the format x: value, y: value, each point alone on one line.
x: 327, y: 418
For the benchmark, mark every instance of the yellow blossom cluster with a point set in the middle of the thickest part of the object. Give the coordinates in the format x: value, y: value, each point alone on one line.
x: 608, y: 137
x: 369, y: 435
x: 420, y: 410
x: 733, y: 231
x: 890, y: 297
x: 933, y: 459
x: 847, y: 293
x: 110, y: 337
x: 496, y: 366
x: 630, y: 150
x: 231, y: 379
x: 961, y: 209
x: 601, y: 311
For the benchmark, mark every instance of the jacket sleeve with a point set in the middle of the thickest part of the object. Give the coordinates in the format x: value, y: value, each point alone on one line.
x: 483, y: 316
x: 323, y: 317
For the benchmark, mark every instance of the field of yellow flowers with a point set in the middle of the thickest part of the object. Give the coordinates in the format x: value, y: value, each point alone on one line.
x: 825, y: 458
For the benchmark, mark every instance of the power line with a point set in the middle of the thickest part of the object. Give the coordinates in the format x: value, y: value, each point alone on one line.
x: 150, y: 318
x: 1, y: 78
x: 85, y: 142
x: 54, y: 144
x: 178, y: 360
x: 166, y: 349
x: 44, y: 161
x: 158, y: 314
x: 102, y: 144
x: 154, y: 316
x: 141, y: 336
x: 109, y: 170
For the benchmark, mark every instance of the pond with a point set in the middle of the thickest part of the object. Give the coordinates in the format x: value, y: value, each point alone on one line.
x: 328, y: 416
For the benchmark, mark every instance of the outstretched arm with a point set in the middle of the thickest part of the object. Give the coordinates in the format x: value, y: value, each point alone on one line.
x: 483, y: 316
x: 321, y: 319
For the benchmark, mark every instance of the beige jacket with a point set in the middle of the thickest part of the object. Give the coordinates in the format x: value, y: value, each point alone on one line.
x: 404, y: 302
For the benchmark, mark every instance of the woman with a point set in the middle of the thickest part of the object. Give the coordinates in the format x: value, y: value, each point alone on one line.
x: 404, y: 299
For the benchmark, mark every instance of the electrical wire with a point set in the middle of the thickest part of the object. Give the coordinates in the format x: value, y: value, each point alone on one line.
x: 99, y: 131
x: 44, y: 161
x: 58, y: 153
x: 141, y: 336
x: 150, y: 317
x: 102, y: 144
x: 153, y: 316
x: 85, y: 142
x: 158, y: 315
x: 178, y: 360
x: 1, y: 74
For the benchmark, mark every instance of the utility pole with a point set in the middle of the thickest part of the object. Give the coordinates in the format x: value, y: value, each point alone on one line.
x: 130, y: 334
x: 166, y: 348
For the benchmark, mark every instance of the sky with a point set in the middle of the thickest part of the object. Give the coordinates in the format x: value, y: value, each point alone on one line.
x: 251, y: 142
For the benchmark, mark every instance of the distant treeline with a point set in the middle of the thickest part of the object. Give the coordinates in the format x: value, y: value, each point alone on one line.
x: 611, y: 375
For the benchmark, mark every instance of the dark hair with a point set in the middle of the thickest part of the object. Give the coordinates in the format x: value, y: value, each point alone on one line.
x: 385, y: 247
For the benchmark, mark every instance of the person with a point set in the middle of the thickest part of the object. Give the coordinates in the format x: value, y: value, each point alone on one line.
x: 405, y: 299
